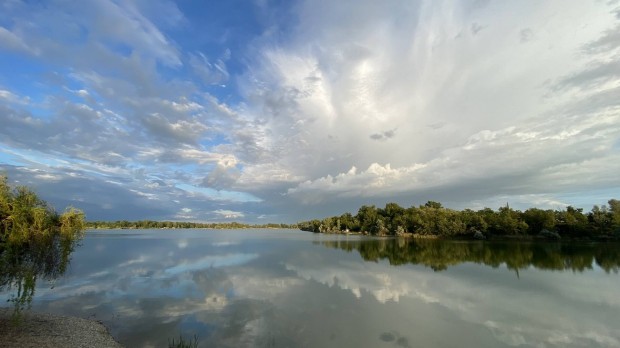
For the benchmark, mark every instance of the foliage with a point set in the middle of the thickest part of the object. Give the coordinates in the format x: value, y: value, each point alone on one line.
x: 432, y: 219
x: 35, y: 241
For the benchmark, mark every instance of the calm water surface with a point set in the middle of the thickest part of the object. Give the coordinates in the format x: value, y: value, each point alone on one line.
x: 287, y: 288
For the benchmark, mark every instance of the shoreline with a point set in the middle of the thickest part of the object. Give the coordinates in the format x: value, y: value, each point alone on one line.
x: 45, y: 330
x: 488, y: 238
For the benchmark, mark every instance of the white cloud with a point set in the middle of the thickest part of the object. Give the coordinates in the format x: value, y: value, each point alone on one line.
x: 187, y: 132
x: 229, y: 214
x: 482, y: 306
x: 326, y: 95
x: 224, y: 175
x: 10, y: 97
x: 354, y: 102
x: 537, y: 151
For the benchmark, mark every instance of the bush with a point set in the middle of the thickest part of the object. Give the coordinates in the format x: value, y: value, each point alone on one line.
x: 35, y: 242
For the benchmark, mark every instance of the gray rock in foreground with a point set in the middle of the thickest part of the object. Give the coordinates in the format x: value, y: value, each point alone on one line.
x: 47, y: 330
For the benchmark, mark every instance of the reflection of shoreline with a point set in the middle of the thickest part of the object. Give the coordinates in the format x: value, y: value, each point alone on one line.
x: 46, y: 330
x: 439, y: 254
x: 488, y: 237
x: 366, y: 234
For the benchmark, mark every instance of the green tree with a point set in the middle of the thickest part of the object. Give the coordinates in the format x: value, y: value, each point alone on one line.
x: 379, y: 228
x: 367, y: 217
x: 436, y: 220
x: 433, y: 219
x: 473, y: 221
x: 393, y: 215
x: 349, y: 222
x: 508, y: 222
x: 571, y: 222
x: 601, y: 219
x: 34, y: 241
x: 538, y: 219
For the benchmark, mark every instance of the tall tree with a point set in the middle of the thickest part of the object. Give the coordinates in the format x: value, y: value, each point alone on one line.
x: 538, y: 219
x: 367, y: 217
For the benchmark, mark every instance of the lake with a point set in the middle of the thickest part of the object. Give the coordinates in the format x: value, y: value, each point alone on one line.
x: 287, y: 288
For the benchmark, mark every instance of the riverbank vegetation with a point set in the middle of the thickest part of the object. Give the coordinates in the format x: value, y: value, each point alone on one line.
x: 35, y: 241
x: 434, y: 220
x: 148, y: 224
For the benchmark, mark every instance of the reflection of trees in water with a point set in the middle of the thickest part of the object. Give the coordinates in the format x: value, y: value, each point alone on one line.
x: 439, y: 254
x: 45, y: 257
x: 35, y: 242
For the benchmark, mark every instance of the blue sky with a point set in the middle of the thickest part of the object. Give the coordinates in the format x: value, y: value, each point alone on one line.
x: 287, y: 110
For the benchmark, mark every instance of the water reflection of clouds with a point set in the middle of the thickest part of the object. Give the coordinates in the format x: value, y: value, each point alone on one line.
x: 240, y: 294
x: 148, y: 306
x: 139, y: 259
x: 356, y: 279
x: 224, y: 244
x: 182, y: 243
x: 251, y: 284
x: 355, y: 276
x: 530, y: 310
x: 210, y: 262
x: 147, y: 292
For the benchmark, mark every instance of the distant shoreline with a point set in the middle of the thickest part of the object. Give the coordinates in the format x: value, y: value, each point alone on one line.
x: 151, y: 224
x: 406, y: 235
x: 602, y: 223
x: 516, y: 238
x: 192, y: 228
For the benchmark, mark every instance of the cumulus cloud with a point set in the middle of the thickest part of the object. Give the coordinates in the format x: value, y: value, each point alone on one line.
x: 187, y: 132
x: 351, y: 103
x: 508, y: 127
x: 223, y: 176
x: 229, y: 214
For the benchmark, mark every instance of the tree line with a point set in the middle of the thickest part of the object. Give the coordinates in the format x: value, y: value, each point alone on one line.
x: 432, y: 219
x: 150, y: 224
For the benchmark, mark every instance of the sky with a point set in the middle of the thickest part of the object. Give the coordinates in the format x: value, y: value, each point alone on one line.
x: 280, y: 111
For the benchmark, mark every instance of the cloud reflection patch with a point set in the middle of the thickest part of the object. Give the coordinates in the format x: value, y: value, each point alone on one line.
x: 211, y: 262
